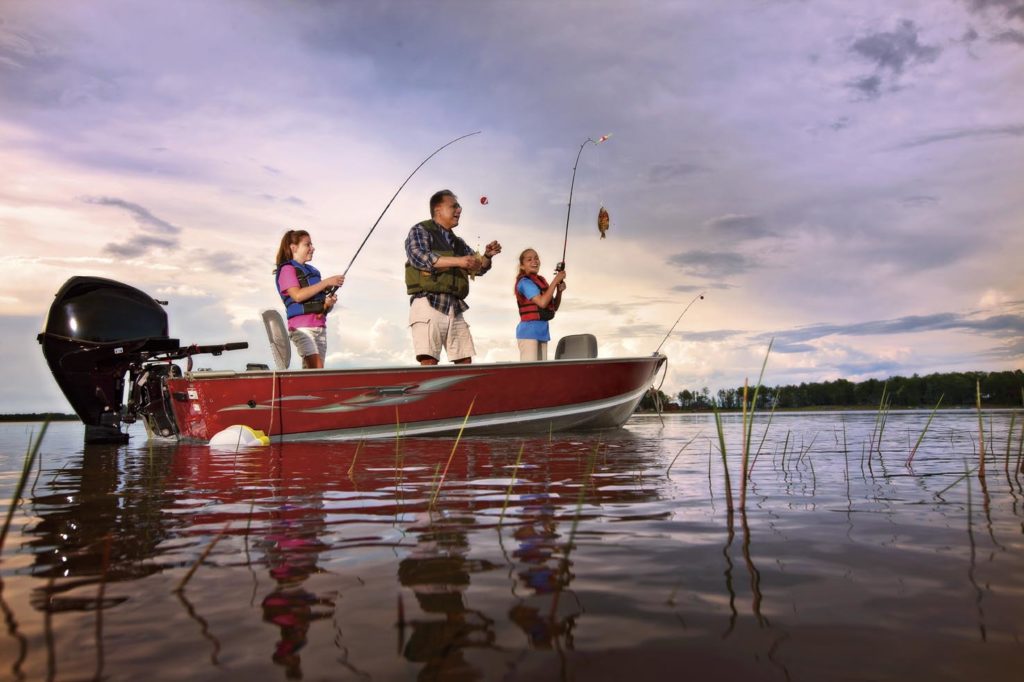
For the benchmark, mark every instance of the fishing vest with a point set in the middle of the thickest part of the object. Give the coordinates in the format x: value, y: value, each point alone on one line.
x: 449, y: 281
x: 306, y: 275
x: 528, y: 310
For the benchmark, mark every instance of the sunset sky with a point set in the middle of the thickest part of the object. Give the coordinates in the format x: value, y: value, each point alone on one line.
x: 844, y: 177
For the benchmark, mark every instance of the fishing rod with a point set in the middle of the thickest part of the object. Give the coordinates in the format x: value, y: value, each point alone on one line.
x: 331, y: 290
x: 700, y: 297
x: 565, y: 243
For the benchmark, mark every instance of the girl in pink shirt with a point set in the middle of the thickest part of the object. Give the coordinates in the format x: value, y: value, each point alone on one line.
x: 306, y: 297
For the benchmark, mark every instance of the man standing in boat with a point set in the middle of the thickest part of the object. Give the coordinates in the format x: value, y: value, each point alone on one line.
x: 437, y: 269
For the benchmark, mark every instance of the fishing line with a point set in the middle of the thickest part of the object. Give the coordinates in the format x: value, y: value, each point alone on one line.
x: 331, y: 290
x: 698, y: 297
x: 572, y: 185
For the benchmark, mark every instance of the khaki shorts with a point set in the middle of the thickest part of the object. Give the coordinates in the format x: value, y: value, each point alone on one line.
x: 532, y: 350
x: 310, y: 341
x: 433, y: 330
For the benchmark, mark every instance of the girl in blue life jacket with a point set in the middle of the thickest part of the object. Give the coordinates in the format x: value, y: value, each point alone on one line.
x: 537, y: 302
x: 306, y: 301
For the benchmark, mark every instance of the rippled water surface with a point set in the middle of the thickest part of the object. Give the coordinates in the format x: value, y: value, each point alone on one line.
x: 591, y: 556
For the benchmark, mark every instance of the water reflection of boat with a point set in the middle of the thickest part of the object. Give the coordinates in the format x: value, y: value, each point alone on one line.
x: 312, y: 517
x: 98, y: 331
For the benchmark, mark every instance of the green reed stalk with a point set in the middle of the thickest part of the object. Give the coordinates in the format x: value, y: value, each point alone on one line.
x: 879, y: 420
x: 355, y: 456
x: 26, y: 467
x: 960, y: 478
x: 452, y: 455
x: 925, y: 430
x: 746, y: 449
x: 887, y: 401
x: 564, y: 568
x: 771, y: 415
x: 725, y: 463
x: 1020, y: 449
x: 673, y: 462
x: 1009, y: 441
x: 981, y: 432
x: 785, y: 446
x: 748, y: 428
x: 201, y: 559
x: 508, y: 493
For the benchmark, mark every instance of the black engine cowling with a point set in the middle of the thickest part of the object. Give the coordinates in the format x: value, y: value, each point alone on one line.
x: 95, y: 331
x: 99, y: 330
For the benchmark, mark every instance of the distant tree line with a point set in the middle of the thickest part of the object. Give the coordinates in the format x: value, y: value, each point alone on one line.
x: 958, y: 389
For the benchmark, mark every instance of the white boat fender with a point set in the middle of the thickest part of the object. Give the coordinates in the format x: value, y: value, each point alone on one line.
x: 239, y: 436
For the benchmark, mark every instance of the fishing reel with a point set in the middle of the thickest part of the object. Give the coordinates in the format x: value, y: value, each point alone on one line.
x: 560, y: 267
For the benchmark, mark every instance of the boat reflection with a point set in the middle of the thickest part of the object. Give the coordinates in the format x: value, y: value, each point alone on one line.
x: 289, y: 511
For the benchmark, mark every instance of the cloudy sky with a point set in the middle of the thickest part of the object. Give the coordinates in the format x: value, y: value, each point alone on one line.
x: 844, y: 177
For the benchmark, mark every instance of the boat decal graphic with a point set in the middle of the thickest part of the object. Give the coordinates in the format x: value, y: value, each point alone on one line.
x: 386, y: 396
x: 243, y: 406
x: 266, y: 404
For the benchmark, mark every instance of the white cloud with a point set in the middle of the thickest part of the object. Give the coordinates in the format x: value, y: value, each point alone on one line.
x: 737, y: 149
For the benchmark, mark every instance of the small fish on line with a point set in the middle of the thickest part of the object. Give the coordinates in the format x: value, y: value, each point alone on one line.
x: 602, y: 221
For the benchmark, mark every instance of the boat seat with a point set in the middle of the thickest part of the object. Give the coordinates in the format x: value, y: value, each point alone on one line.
x: 277, y: 334
x: 576, y: 347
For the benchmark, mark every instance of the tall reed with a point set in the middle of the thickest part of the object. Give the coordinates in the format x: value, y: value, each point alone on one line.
x: 26, y: 467
x: 925, y: 430
x: 202, y: 557
x: 880, y: 417
x: 1009, y: 441
x: 355, y: 456
x: 564, y: 568
x: 508, y: 493
x: 746, y: 450
x: 455, y: 445
x: 981, y: 433
x: 725, y: 462
x: 686, y: 445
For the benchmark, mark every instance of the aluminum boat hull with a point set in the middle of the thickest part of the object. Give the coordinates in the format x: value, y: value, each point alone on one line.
x: 499, y: 399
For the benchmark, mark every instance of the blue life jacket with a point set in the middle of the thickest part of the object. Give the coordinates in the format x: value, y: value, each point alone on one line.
x: 307, y: 275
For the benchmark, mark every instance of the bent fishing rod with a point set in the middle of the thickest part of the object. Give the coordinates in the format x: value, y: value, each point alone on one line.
x: 565, y: 242
x: 331, y: 290
x: 698, y: 297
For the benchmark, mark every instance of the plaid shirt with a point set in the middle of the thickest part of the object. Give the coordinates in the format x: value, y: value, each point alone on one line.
x: 420, y: 255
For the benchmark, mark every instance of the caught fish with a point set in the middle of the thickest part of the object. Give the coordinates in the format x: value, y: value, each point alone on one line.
x: 602, y: 221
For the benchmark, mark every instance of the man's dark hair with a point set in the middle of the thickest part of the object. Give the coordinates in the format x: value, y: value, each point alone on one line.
x: 438, y: 197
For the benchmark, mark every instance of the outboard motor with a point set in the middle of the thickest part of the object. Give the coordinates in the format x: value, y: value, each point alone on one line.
x: 96, y: 332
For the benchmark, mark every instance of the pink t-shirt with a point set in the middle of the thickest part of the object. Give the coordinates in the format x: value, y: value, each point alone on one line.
x: 287, y: 280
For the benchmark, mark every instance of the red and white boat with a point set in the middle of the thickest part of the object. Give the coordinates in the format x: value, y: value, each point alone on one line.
x: 101, y: 336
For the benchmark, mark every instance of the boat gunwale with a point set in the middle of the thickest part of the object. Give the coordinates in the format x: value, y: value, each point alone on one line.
x: 206, y: 375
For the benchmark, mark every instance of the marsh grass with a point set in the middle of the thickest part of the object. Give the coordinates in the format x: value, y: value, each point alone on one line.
x: 355, y: 456
x: 1009, y: 442
x: 981, y: 433
x: 925, y: 430
x: 26, y: 467
x: 512, y: 483
x: 748, y: 426
x: 880, y: 418
x: 571, y: 540
x: 202, y: 557
x: 451, y: 456
x: 686, y: 445
x: 725, y: 462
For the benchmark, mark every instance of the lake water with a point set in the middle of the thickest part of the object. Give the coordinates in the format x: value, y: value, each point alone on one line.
x: 571, y: 558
